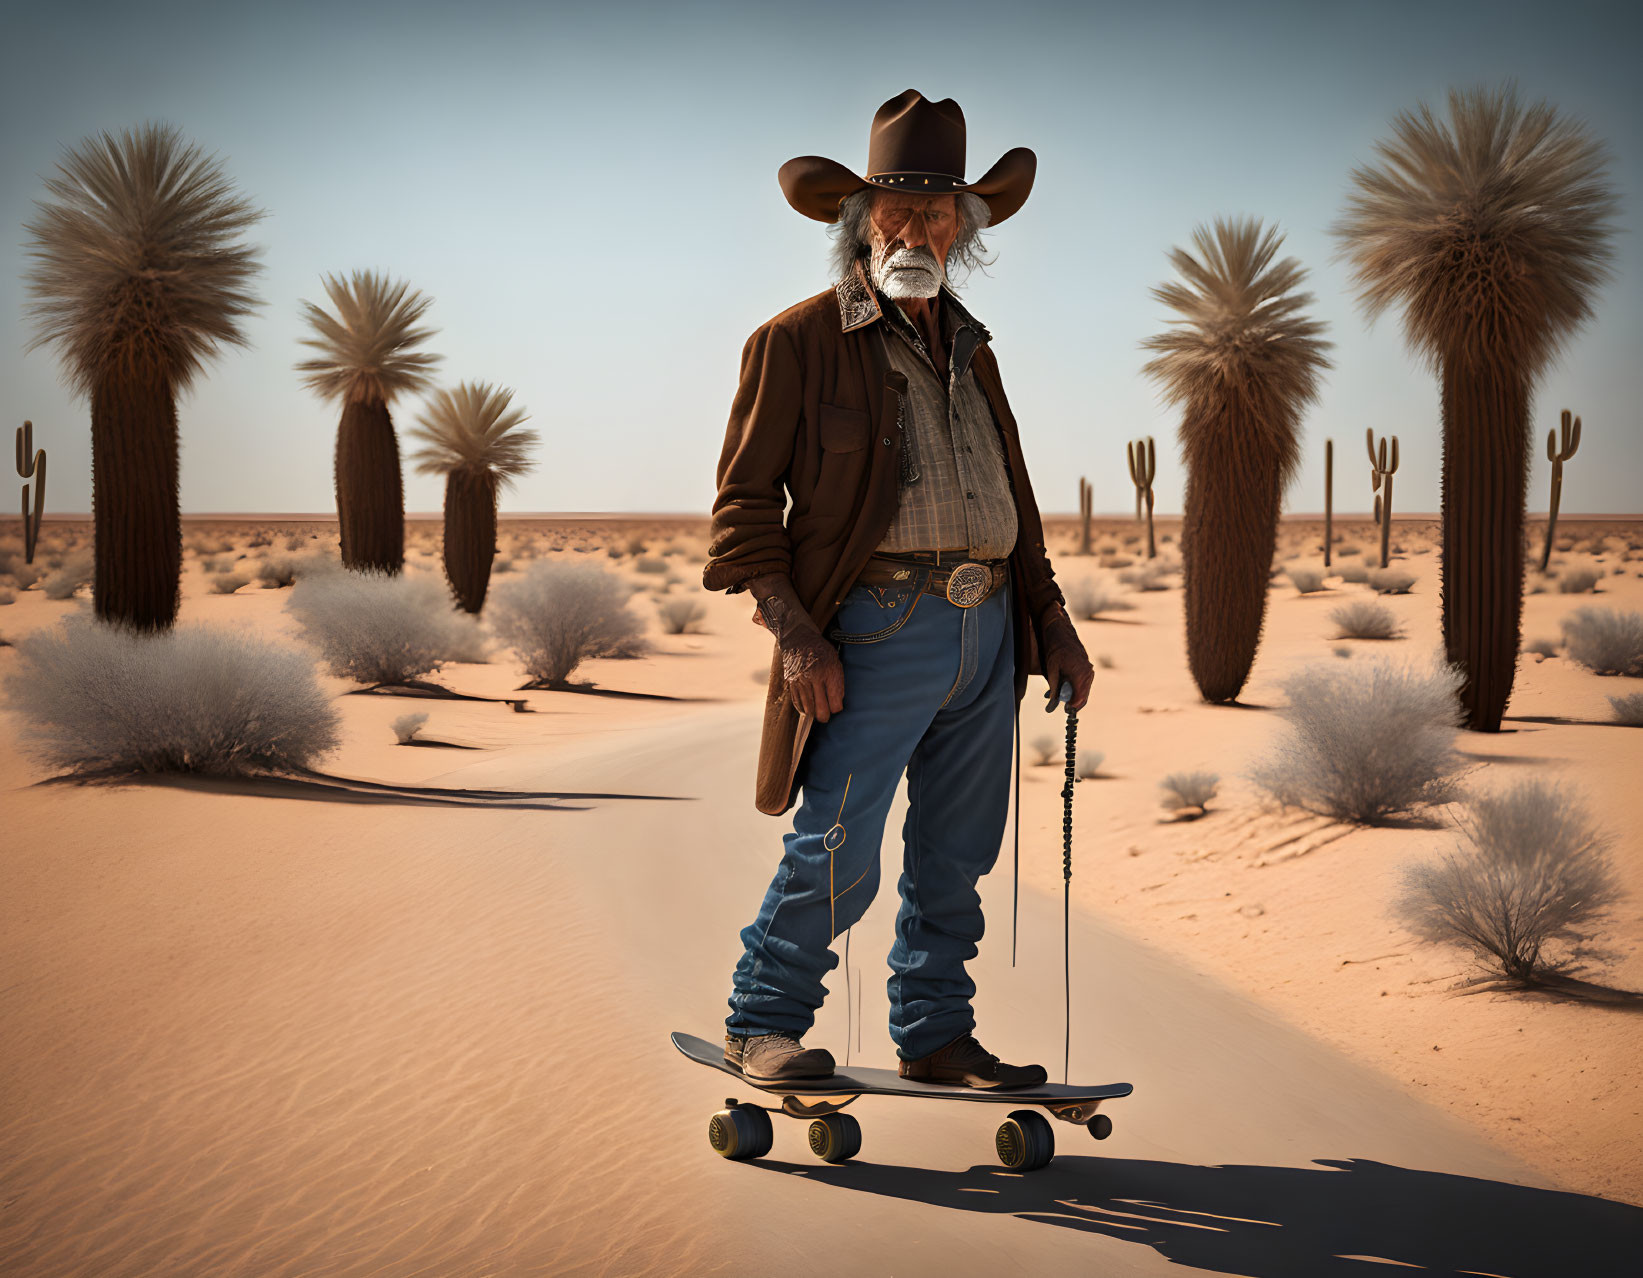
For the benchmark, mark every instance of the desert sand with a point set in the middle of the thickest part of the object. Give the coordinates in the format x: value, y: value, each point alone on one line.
x: 267, y: 1028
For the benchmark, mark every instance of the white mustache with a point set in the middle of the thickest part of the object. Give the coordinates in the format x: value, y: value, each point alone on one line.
x: 918, y: 259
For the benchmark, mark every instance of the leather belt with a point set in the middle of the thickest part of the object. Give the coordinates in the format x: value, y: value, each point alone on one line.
x: 965, y: 583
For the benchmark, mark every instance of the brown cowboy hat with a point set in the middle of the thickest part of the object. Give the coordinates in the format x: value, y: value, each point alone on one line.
x: 915, y: 145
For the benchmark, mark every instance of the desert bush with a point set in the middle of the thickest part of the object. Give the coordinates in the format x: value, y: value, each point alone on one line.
x: 1149, y: 576
x: 680, y: 613
x: 1044, y: 749
x: 1537, y: 874
x: 7, y: 595
x: 1628, y: 708
x: 1364, y: 619
x: 1346, y: 549
x: 1341, y: 650
x: 1087, y: 763
x: 1605, y: 641
x: 1365, y: 742
x: 227, y: 583
x: 1115, y: 561
x: 650, y: 564
x: 557, y: 615
x: 1577, y: 581
x: 1306, y: 580
x: 1087, y: 599
x: 502, y: 563
x: 1390, y: 581
x: 1186, y: 791
x: 405, y: 727
x: 76, y: 571
x: 1104, y: 660
x: 376, y: 628
x: 276, y: 571
x: 97, y: 697
x: 1355, y: 574
x: 1541, y: 647
x: 296, y: 541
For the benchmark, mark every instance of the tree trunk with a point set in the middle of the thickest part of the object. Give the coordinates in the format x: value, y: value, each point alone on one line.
x: 370, y: 491
x: 470, y: 534
x: 136, y: 520
x: 1329, y: 500
x: 1485, y: 484
x: 1229, y: 531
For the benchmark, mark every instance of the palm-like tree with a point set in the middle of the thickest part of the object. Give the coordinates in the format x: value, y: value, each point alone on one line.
x: 1491, y: 232
x: 472, y: 438
x: 139, y: 278
x: 367, y: 358
x: 1243, y: 361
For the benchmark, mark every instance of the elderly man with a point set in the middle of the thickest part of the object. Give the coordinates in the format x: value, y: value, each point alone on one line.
x: 907, y: 589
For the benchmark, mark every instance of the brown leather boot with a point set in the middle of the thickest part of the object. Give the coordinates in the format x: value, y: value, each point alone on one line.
x: 966, y: 1063
x: 769, y: 1058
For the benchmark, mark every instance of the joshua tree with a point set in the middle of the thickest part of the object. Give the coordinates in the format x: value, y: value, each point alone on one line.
x: 140, y: 277
x: 1381, y: 470
x: 1086, y: 504
x: 473, y: 440
x: 1492, y: 232
x: 366, y: 359
x: 1143, y: 459
x: 32, y: 465
x: 1243, y: 362
x: 1557, y: 456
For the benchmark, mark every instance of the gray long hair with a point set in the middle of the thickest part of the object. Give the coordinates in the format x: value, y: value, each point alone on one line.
x: 851, y: 234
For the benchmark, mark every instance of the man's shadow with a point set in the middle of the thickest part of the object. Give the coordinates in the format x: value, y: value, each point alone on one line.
x: 1288, y: 1222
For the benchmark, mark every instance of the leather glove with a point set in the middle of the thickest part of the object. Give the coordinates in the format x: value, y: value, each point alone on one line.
x: 1065, y: 660
x: 811, y: 669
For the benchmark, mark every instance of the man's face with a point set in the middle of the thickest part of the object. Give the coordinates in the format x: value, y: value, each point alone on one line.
x: 911, y: 236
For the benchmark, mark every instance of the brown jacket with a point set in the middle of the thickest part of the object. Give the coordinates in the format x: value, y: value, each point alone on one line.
x: 815, y: 413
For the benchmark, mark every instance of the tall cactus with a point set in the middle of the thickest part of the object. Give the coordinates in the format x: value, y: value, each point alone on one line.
x: 1329, y: 497
x: 1557, y: 456
x: 32, y: 465
x: 1143, y: 459
x: 1380, y: 472
x: 1493, y: 231
x: 1243, y: 360
x: 1086, y: 505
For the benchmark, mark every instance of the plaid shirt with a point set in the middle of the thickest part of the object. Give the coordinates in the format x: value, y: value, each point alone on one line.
x: 955, y: 491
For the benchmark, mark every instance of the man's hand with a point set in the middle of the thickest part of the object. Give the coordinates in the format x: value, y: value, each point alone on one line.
x: 1065, y: 659
x: 811, y: 668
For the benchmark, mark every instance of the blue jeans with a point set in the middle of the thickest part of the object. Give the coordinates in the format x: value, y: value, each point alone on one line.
x: 929, y: 689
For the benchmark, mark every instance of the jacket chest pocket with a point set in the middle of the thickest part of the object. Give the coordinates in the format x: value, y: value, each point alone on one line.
x: 842, y: 430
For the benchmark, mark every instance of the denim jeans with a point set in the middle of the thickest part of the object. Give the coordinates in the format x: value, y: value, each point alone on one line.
x: 929, y: 690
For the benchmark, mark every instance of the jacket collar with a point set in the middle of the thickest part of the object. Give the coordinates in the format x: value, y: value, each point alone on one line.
x: 859, y: 304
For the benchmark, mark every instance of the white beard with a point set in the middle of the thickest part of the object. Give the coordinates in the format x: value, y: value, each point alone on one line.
x: 907, y: 273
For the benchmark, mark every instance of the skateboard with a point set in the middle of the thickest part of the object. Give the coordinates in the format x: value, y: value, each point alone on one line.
x: 1024, y: 1141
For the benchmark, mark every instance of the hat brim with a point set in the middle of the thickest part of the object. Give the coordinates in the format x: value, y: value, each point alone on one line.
x: 815, y: 185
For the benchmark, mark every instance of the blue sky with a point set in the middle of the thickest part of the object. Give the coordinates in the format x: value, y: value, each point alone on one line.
x: 589, y: 196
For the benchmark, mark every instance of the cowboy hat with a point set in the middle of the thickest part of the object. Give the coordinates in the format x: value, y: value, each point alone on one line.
x: 915, y: 145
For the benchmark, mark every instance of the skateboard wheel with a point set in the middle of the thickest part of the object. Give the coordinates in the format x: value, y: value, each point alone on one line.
x: 1024, y: 1141
x: 1100, y: 1127
x: 835, y: 1138
x: 740, y: 1132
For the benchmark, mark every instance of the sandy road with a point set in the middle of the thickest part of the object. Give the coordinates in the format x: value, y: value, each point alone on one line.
x: 253, y: 1036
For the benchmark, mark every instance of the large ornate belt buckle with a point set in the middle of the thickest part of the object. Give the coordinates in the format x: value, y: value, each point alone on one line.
x: 967, y: 584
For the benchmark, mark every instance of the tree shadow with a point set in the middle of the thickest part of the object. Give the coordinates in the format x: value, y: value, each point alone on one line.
x: 1566, y: 722
x: 1286, y: 1222
x: 1555, y: 987
x: 593, y: 690
x: 432, y: 743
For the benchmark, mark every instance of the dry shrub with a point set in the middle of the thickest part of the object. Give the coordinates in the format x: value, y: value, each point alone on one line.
x: 228, y: 582
x: 1189, y: 791
x: 1605, y: 641
x: 1628, y: 709
x: 680, y: 613
x: 1537, y: 874
x: 406, y: 726
x: 97, y: 697
x: 1306, y: 580
x: 1365, y: 742
x: 1364, y: 619
x: 1390, y: 581
x: 557, y: 615
x: 1577, y: 581
x: 376, y: 628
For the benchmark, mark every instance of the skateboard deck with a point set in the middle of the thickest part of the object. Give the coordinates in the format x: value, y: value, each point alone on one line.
x: 1026, y: 1132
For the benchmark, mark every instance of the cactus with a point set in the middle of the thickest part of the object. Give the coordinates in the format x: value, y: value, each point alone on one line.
x: 1329, y: 525
x: 1086, y: 503
x: 32, y: 465
x: 1380, y: 473
x: 1557, y: 456
x: 1143, y: 459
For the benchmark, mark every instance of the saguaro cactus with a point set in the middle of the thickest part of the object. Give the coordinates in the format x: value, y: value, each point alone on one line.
x: 1086, y: 503
x: 1557, y: 456
x: 1143, y: 466
x: 1329, y: 491
x: 32, y: 465
x: 1380, y: 472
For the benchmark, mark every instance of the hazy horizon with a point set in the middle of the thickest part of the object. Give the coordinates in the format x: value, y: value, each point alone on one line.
x: 590, y: 200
